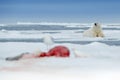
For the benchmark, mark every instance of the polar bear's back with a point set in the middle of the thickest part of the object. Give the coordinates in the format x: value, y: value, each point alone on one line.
x: 88, y: 33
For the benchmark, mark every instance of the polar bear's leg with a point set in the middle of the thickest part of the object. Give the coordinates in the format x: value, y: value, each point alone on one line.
x: 94, y: 34
x: 101, y: 35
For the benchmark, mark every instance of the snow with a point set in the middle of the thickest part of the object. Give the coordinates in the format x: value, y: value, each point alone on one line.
x: 94, y: 61
x: 71, y: 35
x: 70, y: 24
x: 50, y: 23
x: 58, y: 34
x: 2, y: 25
x: 102, y: 63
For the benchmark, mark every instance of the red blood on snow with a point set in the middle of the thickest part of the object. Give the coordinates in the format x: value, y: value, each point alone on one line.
x: 58, y: 51
x: 43, y: 54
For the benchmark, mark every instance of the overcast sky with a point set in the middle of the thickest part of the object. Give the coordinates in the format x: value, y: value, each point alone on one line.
x: 59, y: 11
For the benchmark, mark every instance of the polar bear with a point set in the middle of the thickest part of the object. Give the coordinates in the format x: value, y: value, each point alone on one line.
x: 95, y: 31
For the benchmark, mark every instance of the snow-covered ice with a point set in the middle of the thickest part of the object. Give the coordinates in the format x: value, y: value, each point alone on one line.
x: 101, y: 61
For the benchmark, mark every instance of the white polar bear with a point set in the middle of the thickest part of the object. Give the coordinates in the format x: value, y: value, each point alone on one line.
x: 95, y: 31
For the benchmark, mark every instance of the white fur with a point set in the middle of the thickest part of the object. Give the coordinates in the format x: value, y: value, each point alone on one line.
x: 95, y: 31
x: 48, y: 40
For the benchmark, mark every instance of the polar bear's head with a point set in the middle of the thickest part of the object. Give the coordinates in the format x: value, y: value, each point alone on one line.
x: 96, y: 26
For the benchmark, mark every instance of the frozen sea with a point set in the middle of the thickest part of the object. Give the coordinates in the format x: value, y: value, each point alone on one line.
x: 102, y: 61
